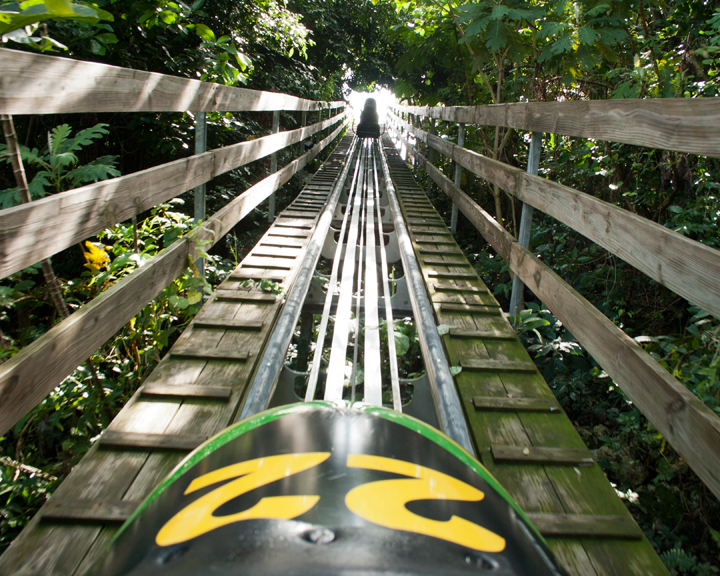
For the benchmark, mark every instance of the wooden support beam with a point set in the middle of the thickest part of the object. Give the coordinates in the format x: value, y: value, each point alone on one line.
x: 503, y: 404
x: 541, y: 455
x: 139, y: 441
x: 63, y: 85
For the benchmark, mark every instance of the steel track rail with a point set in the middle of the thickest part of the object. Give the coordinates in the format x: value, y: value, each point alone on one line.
x: 447, y: 403
x: 273, y: 359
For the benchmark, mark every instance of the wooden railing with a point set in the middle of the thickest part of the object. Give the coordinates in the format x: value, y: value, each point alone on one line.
x: 36, y: 230
x: 687, y: 267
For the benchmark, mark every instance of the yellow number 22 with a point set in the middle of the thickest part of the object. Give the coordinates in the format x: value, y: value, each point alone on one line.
x: 383, y: 502
x: 198, y: 517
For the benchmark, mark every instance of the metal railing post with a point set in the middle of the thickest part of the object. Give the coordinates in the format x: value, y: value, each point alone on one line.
x: 273, y: 164
x: 200, y: 147
x: 525, y: 221
x: 458, y: 174
x: 430, y: 153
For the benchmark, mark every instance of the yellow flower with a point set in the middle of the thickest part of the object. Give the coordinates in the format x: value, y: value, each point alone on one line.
x: 96, y: 257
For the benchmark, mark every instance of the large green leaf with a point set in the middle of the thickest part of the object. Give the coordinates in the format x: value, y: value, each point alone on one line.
x: 16, y: 15
x: 205, y: 33
x: 587, y: 35
x: 496, y: 36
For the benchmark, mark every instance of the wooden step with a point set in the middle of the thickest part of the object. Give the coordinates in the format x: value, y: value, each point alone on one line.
x: 483, y: 334
x: 471, y: 309
x: 242, y: 296
x: 182, y: 442
x: 585, y: 526
x: 199, y: 353
x: 186, y: 391
x: 492, y: 365
x: 227, y: 324
x: 457, y: 275
x: 503, y: 404
x: 438, y: 262
x: 541, y: 455
x: 438, y: 287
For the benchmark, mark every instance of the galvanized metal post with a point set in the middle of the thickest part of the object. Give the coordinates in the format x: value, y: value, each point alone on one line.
x: 200, y: 147
x: 525, y: 221
x: 458, y: 174
x: 273, y: 164
x: 430, y: 153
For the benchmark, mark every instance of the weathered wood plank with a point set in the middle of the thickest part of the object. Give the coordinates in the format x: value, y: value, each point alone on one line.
x: 497, y: 365
x: 471, y: 308
x: 64, y: 85
x: 516, y: 404
x: 39, y: 229
x: 464, y: 264
x: 184, y: 391
x: 140, y: 441
x: 683, y: 124
x: 457, y: 275
x: 86, y: 510
x: 227, y: 324
x: 687, y: 267
x: 585, y: 526
x: 496, y: 334
x: 541, y: 455
x: 242, y: 296
x: 204, y: 353
x: 438, y: 287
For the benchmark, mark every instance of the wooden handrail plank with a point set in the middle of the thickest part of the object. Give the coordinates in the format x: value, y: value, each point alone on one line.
x: 39, y: 229
x: 683, y: 420
x: 30, y: 375
x: 61, y: 85
x: 683, y: 124
x: 687, y: 267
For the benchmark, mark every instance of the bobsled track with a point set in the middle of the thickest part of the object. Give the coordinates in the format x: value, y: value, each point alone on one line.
x: 360, y: 249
